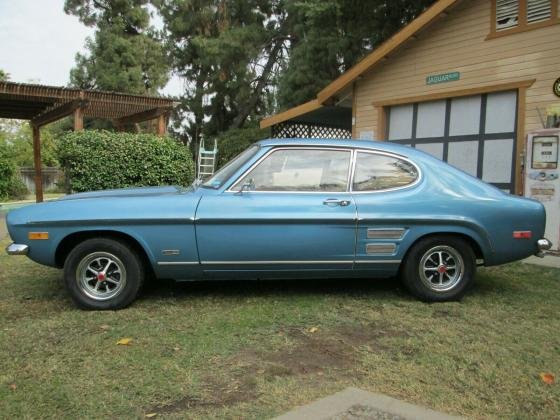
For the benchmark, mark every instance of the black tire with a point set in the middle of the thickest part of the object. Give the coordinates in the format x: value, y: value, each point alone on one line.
x: 422, y: 271
x: 120, y: 282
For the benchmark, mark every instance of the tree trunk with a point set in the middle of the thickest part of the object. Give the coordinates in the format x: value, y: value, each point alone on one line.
x: 246, y: 110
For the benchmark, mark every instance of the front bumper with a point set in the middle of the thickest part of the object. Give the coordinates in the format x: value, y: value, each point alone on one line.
x: 17, y: 249
x: 543, y: 245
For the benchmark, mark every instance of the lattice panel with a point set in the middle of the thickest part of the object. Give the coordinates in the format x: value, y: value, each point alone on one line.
x: 291, y: 130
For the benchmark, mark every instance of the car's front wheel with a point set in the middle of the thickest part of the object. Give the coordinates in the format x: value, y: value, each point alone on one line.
x: 439, y: 268
x: 103, y: 273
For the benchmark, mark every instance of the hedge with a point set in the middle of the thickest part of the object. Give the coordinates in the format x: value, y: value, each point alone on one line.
x: 11, y: 186
x: 99, y: 159
x: 234, y: 141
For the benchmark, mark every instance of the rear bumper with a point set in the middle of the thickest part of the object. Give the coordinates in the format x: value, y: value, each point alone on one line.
x: 17, y: 249
x: 543, y: 245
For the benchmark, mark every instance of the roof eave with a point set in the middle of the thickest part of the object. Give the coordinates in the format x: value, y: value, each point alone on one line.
x: 384, y: 49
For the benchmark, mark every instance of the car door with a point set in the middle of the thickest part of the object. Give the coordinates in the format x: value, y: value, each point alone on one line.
x: 289, y: 212
x: 383, y: 189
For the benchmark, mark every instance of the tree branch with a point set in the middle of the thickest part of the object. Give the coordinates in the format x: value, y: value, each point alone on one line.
x: 246, y: 110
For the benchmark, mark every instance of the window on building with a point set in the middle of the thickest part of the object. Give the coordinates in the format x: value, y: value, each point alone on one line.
x: 507, y: 14
x: 539, y: 10
x: 512, y: 16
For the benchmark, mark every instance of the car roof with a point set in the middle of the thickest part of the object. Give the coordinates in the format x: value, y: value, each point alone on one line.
x: 362, y: 144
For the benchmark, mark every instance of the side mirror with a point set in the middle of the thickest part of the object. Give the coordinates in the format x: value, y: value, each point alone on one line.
x: 248, y: 185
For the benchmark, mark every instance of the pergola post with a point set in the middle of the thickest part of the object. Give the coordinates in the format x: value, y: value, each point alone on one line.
x: 78, y: 119
x: 37, y: 163
x: 162, y: 125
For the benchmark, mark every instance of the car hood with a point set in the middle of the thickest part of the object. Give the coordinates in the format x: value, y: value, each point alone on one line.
x: 111, y: 207
x: 125, y: 192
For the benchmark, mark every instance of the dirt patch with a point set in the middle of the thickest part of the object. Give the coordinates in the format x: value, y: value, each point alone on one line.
x: 310, y: 354
x: 317, y: 352
x: 218, y: 393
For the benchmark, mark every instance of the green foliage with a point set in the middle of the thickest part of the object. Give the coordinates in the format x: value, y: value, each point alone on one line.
x: 124, y: 54
x: 16, y: 135
x: 97, y: 160
x: 240, y: 59
x: 228, y: 52
x: 234, y: 141
x: 11, y: 186
x: 327, y: 37
x: 4, y: 76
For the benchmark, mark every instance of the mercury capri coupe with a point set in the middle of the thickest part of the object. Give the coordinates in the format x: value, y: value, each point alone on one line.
x: 286, y: 209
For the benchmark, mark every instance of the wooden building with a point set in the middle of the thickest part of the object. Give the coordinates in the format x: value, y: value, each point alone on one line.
x: 465, y: 81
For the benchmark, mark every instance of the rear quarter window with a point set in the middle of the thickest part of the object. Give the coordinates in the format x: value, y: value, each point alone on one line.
x: 377, y: 172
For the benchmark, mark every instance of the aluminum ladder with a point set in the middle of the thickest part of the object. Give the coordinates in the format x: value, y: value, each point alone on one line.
x: 206, y: 161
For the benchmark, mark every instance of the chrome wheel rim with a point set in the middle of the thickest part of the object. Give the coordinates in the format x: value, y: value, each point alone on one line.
x: 441, y: 268
x: 101, y: 275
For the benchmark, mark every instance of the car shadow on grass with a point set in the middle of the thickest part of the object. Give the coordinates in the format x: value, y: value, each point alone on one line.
x: 487, y: 284
x: 273, y: 288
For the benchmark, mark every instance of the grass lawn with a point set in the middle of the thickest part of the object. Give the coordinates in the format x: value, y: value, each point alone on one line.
x: 254, y: 350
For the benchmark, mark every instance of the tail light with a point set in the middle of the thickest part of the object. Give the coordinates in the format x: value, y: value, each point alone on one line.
x: 522, y: 234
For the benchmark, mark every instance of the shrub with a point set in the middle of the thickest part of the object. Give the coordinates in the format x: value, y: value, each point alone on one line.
x: 97, y: 160
x: 234, y: 141
x: 11, y: 186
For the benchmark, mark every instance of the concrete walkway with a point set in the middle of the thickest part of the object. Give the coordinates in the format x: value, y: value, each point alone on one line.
x: 357, y: 404
x: 547, y: 261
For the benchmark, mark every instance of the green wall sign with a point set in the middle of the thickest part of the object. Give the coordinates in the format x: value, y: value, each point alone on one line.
x: 442, y: 78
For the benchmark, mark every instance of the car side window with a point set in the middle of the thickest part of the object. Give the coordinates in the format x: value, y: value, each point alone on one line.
x: 304, y: 170
x: 375, y: 172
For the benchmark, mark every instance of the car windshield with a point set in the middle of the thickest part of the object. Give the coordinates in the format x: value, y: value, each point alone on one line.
x: 230, y: 168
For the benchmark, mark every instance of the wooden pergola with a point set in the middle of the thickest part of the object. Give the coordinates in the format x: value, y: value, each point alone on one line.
x: 42, y: 105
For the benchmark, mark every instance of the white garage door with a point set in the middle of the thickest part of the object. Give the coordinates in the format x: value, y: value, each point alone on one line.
x: 474, y: 133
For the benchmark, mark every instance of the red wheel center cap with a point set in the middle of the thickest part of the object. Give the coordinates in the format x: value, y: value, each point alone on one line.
x: 101, y: 277
x: 442, y: 269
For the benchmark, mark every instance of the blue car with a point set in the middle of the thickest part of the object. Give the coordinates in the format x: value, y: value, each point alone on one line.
x: 286, y: 209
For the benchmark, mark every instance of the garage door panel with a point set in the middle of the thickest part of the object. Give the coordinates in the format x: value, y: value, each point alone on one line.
x: 474, y: 133
x: 431, y: 119
x: 497, y: 161
x: 400, y: 122
x: 434, y: 149
x: 500, y: 112
x: 465, y: 116
x: 464, y: 155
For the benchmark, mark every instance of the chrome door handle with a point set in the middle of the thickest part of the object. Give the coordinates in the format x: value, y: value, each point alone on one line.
x: 336, y: 202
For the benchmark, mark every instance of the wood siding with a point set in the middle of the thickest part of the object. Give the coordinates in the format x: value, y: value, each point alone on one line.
x: 457, y: 42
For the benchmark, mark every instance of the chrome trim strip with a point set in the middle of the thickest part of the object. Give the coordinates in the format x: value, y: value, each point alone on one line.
x: 381, y: 248
x: 177, y: 263
x: 17, y: 249
x: 170, y: 251
x: 276, y: 262
x: 231, y: 189
x: 381, y: 233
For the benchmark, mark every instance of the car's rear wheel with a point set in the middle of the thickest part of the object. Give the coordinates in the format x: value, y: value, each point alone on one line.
x: 439, y: 268
x: 103, y: 273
